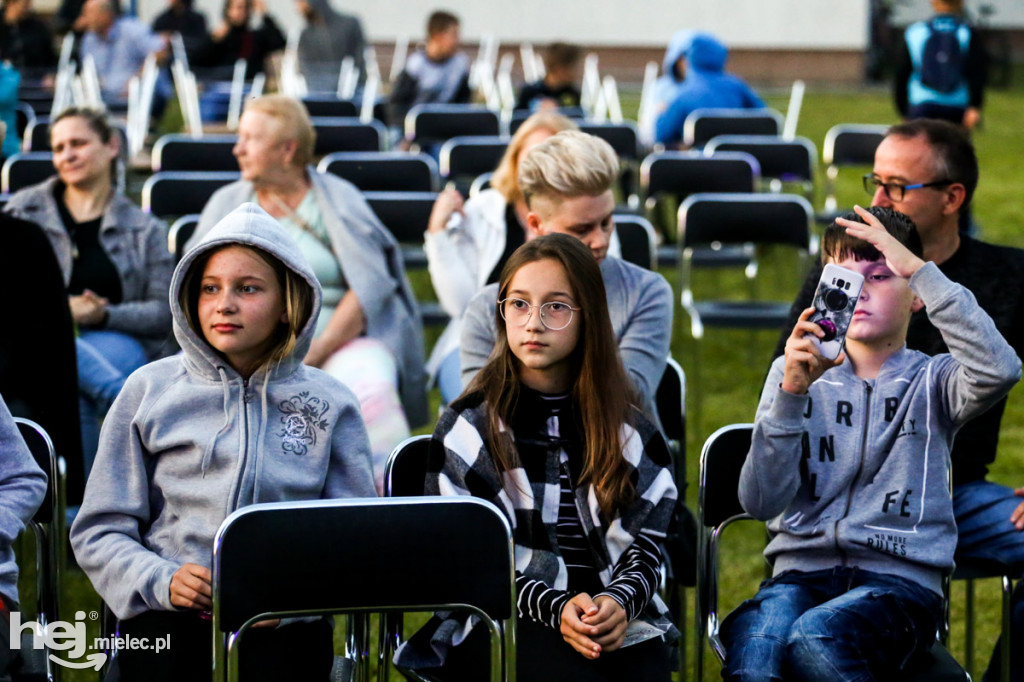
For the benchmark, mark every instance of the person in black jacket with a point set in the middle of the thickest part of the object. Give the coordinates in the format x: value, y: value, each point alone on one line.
x: 235, y: 38
x: 25, y: 41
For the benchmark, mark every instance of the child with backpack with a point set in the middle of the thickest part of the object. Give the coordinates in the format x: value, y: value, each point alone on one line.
x: 549, y: 431
x: 235, y: 419
x: 849, y: 464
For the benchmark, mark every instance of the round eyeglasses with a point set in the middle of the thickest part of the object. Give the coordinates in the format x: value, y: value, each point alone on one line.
x: 895, y: 191
x: 554, y: 315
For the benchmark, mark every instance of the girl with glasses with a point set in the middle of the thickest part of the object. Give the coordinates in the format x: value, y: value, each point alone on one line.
x: 549, y: 431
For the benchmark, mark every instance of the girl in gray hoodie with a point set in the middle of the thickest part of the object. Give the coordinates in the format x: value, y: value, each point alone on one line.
x: 234, y: 420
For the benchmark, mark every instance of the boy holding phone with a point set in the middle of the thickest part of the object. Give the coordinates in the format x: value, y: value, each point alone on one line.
x: 849, y: 463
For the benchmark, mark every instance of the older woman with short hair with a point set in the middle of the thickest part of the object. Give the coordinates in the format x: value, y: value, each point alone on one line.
x: 369, y: 334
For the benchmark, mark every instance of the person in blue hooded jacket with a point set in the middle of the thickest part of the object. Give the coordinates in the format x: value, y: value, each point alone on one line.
x: 705, y: 85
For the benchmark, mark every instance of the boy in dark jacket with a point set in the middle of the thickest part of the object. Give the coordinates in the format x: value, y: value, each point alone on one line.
x: 850, y: 464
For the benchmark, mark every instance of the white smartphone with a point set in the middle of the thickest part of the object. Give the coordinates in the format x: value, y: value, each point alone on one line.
x: 834, y: 301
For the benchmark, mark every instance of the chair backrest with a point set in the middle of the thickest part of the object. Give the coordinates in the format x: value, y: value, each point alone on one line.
x: 787, y: 160
x: 670, y: 401
x: 178, y: 193
x: 680, y: 174
x: 705, y: 219
x: 480, y: 183
x: 180, y: 232
x: 348, y: 135
x: 621, y: 136
x: 703, y: 124
x: 637, y: 240
x: 852, y: 144
x: 326, y: 105
x: 519, y: 116
x: 384, y: 171
x: 721, y: 460
x: 178, y: 152
x: 471, y: 155
x: 24, y: 169
x: 407, y: 468
x: 405, y: 214
x: 25, y: 116
x: 340, y: 556
x: 433, y: 123
x: 49, y: 521
x: 36, y: 137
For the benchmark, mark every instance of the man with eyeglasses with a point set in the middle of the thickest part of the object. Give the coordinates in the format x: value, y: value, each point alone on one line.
x: 927, y: 169
x: 567, y: 182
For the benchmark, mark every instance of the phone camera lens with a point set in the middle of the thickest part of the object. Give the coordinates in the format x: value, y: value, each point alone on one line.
x: 829, y: 327
x: 836, y: 300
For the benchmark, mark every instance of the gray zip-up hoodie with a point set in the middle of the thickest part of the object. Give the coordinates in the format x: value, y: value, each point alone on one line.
x: 856, y: 472
x: 187, y: 442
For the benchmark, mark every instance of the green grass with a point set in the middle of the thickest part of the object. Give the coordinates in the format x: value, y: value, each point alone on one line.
x: 732, y: 364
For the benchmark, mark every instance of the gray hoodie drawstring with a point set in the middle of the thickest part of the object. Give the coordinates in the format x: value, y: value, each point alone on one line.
x: 262, y: 433
x: 208, y: 450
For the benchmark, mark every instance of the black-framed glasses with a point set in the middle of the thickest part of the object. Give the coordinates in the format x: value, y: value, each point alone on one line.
x: 897, y: 190
x: 555, y: 315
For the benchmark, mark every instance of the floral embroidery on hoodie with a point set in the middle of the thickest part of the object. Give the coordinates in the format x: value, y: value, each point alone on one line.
x: 303, y: 416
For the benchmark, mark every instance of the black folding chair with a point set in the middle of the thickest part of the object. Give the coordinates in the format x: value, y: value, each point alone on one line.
x: 36, y: 137
x: 384, y: 171
x: 405, y: 215
x: 703, y: 124
x: 621, y: 136
x: 180, y: 232
x: 783, y: 162
x: 178, y: 193
x: 428, y: 124
x: 348, y: 135
x: 178, y: 152
x: 721, y: 461
x: 519, y: 116
x: 49, y: 531
x: 637, y: 240
x: 464, y: 158
x: 360, y: 556
x: 847, y: 144
x: 328, y: 105
x: 25, y: 169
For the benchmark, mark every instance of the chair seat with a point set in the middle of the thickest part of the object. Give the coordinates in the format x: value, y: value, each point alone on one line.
x: 433, y: 314
x: 743, y: 314
x: 976, y: 569
x: 728, y: 256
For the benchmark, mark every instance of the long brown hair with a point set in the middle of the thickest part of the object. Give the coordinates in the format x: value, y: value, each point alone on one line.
x: 600, y: 389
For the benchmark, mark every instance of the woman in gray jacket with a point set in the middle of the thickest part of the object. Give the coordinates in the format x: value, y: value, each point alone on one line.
x: 114, y: 259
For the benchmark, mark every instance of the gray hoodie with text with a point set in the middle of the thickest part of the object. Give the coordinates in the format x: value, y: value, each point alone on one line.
x: 188, y: 441
x: 856, y: 472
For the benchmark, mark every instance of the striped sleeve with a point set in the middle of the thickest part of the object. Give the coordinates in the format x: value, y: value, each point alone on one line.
x: 636, y: 576
x: 539, y: 602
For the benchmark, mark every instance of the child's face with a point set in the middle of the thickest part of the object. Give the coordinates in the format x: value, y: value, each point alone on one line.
x: 446, y: 43
x: 240, y: 306
x: 543, y: 353
x: 886, y: 302
x: 588, y: 218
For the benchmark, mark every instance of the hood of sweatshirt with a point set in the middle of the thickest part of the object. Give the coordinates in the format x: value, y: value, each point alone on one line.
x: 677, y: 47
x: 706, y: 53
x: 247, y: 225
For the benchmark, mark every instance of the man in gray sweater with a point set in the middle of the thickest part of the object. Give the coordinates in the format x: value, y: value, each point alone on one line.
x: 849, y: 463
x: 567, y: 181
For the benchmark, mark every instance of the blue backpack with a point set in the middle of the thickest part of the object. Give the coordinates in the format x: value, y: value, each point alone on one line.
x: 942, y: 62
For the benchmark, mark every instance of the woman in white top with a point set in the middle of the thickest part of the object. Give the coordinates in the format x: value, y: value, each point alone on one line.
x: 468, y: 243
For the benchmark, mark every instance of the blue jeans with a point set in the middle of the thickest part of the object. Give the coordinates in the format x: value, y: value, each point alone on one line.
x: 815, y: 626
x: 449, y: 377
x: 105, y: 359
x: 982, y: 511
